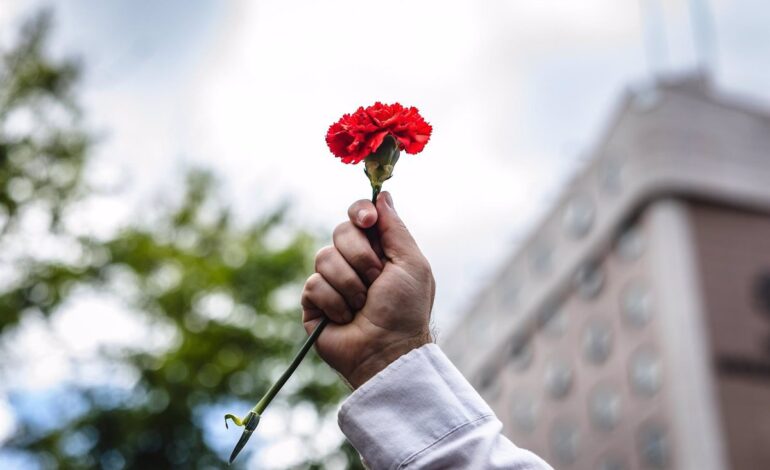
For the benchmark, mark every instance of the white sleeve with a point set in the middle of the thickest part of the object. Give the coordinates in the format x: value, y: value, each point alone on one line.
x: 421, y: 413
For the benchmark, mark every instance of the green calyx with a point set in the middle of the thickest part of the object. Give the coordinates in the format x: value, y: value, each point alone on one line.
x: 379, y: 165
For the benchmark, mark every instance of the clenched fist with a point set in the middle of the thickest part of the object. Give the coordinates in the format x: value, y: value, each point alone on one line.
x: 377, y: 289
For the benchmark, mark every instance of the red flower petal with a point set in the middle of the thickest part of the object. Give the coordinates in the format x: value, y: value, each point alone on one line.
x: 357, y: 135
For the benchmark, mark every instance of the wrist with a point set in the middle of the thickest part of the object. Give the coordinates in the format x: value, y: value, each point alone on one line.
x: 385, y: 356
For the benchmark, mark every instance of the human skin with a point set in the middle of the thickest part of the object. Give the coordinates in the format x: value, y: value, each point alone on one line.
x: 375, y: 286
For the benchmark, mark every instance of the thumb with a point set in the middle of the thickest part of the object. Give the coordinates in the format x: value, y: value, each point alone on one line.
x: 397, y: 243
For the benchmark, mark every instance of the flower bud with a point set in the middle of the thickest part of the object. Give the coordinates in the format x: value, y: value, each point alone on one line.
x: 379, y: 165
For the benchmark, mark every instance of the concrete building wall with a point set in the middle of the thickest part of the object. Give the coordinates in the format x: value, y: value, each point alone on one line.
x: 733, y: 249
x: 587, y: 388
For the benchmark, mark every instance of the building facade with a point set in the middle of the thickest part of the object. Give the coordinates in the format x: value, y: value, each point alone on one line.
x: 631, y: 330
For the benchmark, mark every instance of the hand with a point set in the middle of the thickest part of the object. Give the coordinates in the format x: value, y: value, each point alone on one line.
x: 377, y: 289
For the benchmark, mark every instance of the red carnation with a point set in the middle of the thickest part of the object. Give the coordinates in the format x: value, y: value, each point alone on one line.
x: 355, y: 136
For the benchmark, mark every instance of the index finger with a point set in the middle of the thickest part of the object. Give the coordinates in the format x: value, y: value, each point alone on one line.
x: 363, y: 214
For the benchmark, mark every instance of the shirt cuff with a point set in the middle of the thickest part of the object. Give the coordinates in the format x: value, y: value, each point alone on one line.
x: 407, y: 407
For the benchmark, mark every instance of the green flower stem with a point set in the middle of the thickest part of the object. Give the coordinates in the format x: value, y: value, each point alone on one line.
x: 251, y: 420
x: 375, y: 192
x: 260, y: 407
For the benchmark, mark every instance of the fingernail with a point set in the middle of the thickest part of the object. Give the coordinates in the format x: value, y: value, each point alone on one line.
x: 361, y: 216
x: 372, y: 274
x: 359, y: 301
x: 389, y: 200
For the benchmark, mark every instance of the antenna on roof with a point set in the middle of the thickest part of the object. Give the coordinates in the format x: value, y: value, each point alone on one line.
x: 703, y: 35
x: 656, y: 44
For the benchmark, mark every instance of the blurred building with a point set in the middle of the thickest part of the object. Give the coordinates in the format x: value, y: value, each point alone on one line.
x: 632, y: 328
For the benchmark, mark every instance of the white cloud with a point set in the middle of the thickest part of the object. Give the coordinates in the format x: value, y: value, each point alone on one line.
x: 286, y: 70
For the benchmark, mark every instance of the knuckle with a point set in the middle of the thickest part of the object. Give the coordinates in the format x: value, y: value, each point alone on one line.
x: 341, y: 230
x: 323, y: 255
x: 424, y: 270
x: 312, y: 283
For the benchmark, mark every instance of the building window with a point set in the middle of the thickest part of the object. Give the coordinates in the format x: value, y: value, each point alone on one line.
x: 762, y: 293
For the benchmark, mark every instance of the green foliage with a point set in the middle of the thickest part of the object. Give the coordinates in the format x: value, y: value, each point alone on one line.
x: 213, y: 287
x: 41, y: 164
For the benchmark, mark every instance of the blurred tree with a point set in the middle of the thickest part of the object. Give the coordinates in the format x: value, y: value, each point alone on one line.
x: 208, y: 286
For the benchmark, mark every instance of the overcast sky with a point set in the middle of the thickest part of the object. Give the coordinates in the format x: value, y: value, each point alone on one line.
x: 517, y: 92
